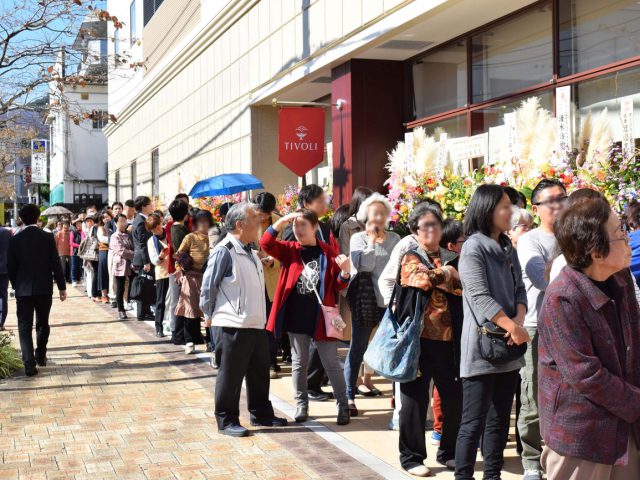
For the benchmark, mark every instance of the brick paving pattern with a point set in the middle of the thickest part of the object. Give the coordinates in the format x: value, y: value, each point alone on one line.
x: 115, y: 402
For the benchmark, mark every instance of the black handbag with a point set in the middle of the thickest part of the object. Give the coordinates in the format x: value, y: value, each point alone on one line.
x: 362, y: 301
x: 493, y: 344
x: 143, y: 287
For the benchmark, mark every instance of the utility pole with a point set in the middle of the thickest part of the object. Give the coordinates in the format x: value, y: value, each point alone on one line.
x: 15, y: 192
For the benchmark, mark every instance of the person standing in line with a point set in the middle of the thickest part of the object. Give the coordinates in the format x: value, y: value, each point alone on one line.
x: 589, y: 352
x: 5, y: 236
x: 493, y: 294
x: 314, y: 198
x: 121, y: 245
x: 159, y: 256
x: 386, y: 284
x: 63, y: 244
x: 369, y: 252
x: 141, y: 260
x: 129, y: 211
x: 88, y: 267
x: 521, y: 223
x: 178, y: 230
x: 536, y: 249
x: 191, y: 259
x: 33, y: 265
x: 76, y: 235
x: 103, y: 233
x: 265, y: 203
x: 310, y: 272
x: 116, y: 209
x: 233, y: 269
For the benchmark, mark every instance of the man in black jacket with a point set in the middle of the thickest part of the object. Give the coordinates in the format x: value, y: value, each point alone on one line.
x: 141, y: 260
x: 33, y: 263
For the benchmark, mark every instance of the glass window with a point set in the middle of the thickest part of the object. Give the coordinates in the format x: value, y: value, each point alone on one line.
x: 484, y: 119
x: 513, y: 55
x: 132, y: 23
x: 440, y: 80
x: 155, y: 172
x: 134, y: 180
x: 607, y: 92
x: 593, y: 33
x: 454, y: 127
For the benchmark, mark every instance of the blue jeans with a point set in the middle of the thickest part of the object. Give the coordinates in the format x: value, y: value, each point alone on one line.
x: 76, y: 268
x: 359, y: 342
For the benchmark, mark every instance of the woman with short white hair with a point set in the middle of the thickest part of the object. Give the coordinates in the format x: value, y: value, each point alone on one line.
x: 521, y: 223
x: 369, y: 251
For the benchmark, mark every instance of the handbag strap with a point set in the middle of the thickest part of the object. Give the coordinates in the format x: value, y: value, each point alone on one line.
x: 313, y: 285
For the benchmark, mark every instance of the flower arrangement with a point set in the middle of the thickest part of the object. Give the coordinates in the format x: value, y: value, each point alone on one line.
x: 288, y: 201
x: 597, y: 163
x: 213, y: 204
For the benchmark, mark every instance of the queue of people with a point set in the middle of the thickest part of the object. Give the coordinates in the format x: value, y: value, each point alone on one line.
x: 538, y: 305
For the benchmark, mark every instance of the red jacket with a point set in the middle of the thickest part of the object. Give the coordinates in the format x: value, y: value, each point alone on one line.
x: 589, y: 367
x: 290, y: 257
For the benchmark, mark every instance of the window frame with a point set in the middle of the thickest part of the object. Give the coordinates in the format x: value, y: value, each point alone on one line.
x: 555, y: 82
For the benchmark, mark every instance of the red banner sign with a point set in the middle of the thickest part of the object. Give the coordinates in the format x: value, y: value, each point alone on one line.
x: 300, y: 138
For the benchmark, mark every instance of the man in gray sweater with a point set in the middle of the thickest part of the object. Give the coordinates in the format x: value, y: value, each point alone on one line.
x: 535, y: 250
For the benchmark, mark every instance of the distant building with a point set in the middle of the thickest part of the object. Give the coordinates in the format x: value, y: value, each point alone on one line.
x: 78, y: 158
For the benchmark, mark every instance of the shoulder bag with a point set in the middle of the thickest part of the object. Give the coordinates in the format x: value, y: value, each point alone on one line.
x: 333, y: 322
x: 88, y: 249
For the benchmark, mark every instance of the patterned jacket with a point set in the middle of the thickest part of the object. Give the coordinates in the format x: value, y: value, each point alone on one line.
x: 589, y: 367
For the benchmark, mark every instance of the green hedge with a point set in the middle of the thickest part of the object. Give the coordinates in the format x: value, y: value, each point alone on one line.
x: 10, y: 361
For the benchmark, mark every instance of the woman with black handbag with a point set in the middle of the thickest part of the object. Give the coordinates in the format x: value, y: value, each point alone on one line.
x: 370, y: 251
x: 493, y: 337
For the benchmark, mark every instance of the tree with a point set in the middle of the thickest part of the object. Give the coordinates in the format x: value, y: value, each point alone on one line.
x: 33, y: 35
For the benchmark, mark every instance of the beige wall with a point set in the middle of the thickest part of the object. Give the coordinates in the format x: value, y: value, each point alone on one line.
x: 173, y: 20
x: 200, y: 116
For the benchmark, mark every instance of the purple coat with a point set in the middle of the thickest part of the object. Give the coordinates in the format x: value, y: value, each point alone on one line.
x: 122, y: 247
x: 589, y: 367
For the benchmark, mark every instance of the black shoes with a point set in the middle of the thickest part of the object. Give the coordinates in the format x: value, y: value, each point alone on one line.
x: 30, y: 371
x: 234, y: 431
x: 160, y: 334
x: 269, y: 422
x: 42, y: 362
x: 302, y: 414
x: 122, y: 316
x: 343, y: 416
x: 146, y: 316
x: 318, y: 396
x: 114, y: 305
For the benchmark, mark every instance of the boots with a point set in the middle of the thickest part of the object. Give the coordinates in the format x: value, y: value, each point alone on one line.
x: 302, y: 414
x: 343, y: 415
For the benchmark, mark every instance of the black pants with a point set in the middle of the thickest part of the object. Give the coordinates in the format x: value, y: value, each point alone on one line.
x: 25, y: 307
x: 244, y: 352
x: 95, y: 291
x: 486, y: 405
x: 143, y: 307
x: 162, y: 287
x: 4, y: 297
x: 437, y: 362
x: 187, y: 331
x: 315, y: 371
x: 120, y: 282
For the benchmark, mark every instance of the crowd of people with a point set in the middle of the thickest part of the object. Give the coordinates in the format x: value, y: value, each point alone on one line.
x: 535, y: 304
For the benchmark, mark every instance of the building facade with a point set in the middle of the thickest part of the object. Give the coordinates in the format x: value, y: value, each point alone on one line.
x: 78, y: 114
x: 201, y: 104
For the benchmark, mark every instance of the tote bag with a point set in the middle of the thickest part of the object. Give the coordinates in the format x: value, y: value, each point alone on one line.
x: 333, y: 323
x: 394, y: 351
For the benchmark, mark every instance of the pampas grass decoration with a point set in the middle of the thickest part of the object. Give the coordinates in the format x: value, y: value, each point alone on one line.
x: 537, y: 133
x: 600, y: 141
x: 425, y: 152
x: 583, y: 139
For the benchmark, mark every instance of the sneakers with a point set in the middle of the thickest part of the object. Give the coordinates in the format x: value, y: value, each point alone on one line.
x: 189, y: 348
x: 74, y: 284
x: 532, y: 475
x: 393, y: 425
x: 234, y: 431
x: 436, y: 437
x: 419, y: 471
x: 273, y: 373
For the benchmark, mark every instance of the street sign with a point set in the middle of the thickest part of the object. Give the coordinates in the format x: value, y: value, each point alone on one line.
x: 39, y: 161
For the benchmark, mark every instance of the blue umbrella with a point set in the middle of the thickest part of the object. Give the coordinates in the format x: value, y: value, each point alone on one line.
x: 225, y: 184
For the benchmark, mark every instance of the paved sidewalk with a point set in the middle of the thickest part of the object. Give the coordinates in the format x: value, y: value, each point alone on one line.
x: 115, y: 402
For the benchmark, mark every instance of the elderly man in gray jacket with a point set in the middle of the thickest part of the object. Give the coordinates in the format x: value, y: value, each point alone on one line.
x: 230, y: 300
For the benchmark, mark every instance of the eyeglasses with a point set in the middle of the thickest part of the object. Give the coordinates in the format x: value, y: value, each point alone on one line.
x: 425, y: 227
x: 553, y: 201
x: 624, y: 230
x: 460, y: 241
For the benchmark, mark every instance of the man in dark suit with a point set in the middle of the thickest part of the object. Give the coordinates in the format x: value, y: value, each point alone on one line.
x: 141, y: 260
x: 33, y: 263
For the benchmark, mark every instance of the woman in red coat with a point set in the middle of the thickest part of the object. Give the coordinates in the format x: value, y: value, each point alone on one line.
x: 308, y: 266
